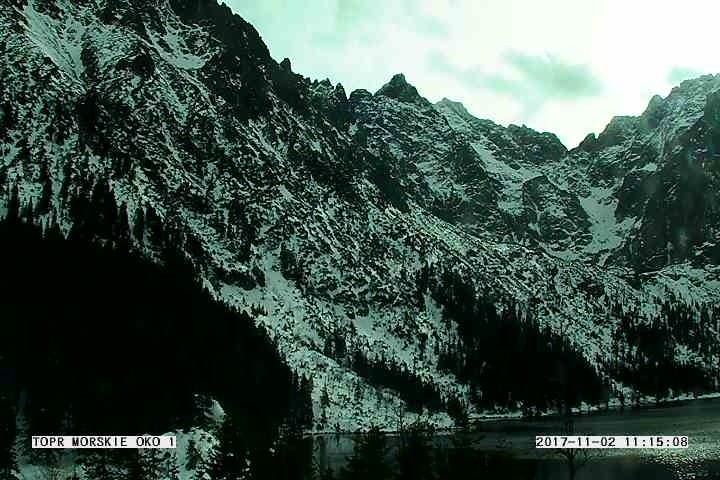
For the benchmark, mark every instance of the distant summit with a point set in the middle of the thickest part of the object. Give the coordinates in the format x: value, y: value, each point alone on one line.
x: 394, y: 251
x: 399, y: 89
x: 455, y: 107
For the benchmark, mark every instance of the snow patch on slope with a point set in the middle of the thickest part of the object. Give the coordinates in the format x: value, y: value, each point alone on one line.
x: 607, y: 232
x: 173, y: 47
x: 60, y: 40
x: 512, y: 179
x: 692, y: 285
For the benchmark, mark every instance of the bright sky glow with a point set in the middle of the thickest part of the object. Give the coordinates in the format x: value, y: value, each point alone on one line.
x: 564, y: 66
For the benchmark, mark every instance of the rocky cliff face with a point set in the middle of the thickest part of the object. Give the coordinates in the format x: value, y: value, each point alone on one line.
x: 366, y: 233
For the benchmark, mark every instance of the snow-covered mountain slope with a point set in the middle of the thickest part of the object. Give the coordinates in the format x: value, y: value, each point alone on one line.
x: 357, y: 229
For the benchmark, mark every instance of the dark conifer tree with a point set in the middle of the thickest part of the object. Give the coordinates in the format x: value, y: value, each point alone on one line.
x: 139, y: 225
x: 328, y: 350
x: 173, y: 466
x: 326, y: 474
x: 13, y: 205
x: 461, y: 458
x: 28, y: 212
x: 159, y: 464
x: 415, y: 457
x: 195, y: 462
x: 369, y: 459
x: 98, y: 465
x: 324, y: 405
x: 121, y: 230
x: 339, y: 345
x: 306, y: 406
x: 230, y: 459
x: 133, y: 466
x: 45, y: 200
x: 293, y: 457
x: 8, y: 460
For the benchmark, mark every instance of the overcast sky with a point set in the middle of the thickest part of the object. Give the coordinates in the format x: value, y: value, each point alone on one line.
x: 564, y: 66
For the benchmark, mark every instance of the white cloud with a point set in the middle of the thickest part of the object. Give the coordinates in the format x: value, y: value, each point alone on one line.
x: 629, y: 47
x: 678, y: 74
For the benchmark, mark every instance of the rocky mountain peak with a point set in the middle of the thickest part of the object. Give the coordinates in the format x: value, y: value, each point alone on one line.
x: 589, y: 143
x: 540, y: 146
x: 654, y: 112
x: 686, y: 103
x: 399, y: 89
x: 654, y: 103
x: 293, y: 204
x: 360, y: 95
x: 705, y: 83
x: 712, y: 109
x: 620, y: 129
x: 285, y: 65
x: 457, y: 108
x: 339, y: 93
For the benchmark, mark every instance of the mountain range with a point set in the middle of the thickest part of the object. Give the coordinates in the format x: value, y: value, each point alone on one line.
x: 408, y: 257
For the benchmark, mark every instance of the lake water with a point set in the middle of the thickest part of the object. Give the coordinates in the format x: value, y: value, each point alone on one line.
x: 699, y: 420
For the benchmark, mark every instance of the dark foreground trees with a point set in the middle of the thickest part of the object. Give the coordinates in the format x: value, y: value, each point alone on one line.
x: 8, y: 460
x: 370, y: 458
x: 97, y: 340
x: 417, y: 453
x: 573, y: 458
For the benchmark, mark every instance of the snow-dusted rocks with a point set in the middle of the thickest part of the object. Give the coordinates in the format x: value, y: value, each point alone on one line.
x: 318, y: 213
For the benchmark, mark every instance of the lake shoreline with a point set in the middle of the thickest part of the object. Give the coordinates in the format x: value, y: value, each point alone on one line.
x: 613, y: 408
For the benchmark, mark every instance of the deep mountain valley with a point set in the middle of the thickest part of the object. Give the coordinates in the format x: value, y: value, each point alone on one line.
x: 328, y: 261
